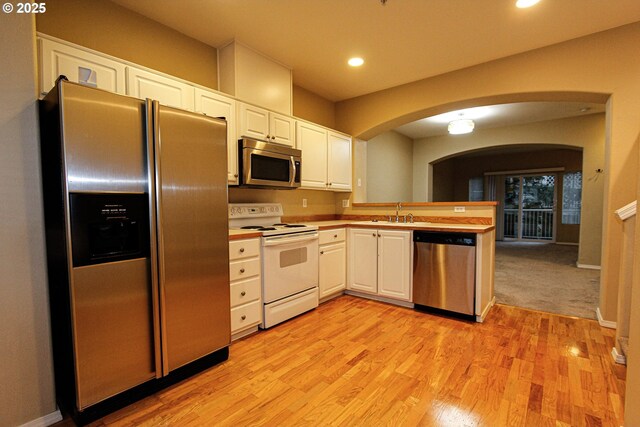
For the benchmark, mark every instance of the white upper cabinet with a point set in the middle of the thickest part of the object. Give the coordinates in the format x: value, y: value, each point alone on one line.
x: 78, y: 66
x: 173, y: 93
x: 255, y: 78
x: 258, y: 123
x: 312, y: 140
x: 339, y: 161
x: 326, y: 157
x: 215, y: 105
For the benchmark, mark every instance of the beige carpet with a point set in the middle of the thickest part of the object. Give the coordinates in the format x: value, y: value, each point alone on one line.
x: 544, y: 276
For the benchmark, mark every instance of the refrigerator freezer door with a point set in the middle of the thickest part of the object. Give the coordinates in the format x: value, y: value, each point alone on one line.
x: 113, y: 329
x: 193, y: 254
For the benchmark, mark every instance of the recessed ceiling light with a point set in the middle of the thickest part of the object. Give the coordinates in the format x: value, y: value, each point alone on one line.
x: 522, y: 4
x: 356, y: 62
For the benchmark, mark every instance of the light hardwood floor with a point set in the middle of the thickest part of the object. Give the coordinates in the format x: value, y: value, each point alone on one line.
x: 358, y: 362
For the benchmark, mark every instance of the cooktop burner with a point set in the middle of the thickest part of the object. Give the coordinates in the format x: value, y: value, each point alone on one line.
x: 257, y: 227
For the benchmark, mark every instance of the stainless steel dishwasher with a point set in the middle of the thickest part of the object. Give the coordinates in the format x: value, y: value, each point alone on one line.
x: 444, y: 272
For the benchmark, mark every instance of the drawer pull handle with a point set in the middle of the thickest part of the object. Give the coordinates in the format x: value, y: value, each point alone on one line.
x: 243, y: 293
x: 244, y: 317
x: 241, y: 250
x: 242, y: 270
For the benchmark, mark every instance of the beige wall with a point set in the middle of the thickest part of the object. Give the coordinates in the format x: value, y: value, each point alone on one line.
x: 120, y: 32
x: 319, y: 202
x: 454, y: 175
x: 595, y: 68
x: 26, y: 376
x: 389, y: 168
x: 632, y: 409
x: 309, y: 106
x: 586, y: 132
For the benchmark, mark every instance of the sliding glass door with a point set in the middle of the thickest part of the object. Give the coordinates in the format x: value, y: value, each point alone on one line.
x: 529, y: 207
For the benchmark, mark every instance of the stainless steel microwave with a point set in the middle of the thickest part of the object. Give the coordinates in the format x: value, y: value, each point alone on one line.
x: 265, y: 164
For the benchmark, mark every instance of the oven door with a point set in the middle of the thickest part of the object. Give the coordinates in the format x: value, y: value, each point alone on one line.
x: 290, y: 265
x: 269, y: 169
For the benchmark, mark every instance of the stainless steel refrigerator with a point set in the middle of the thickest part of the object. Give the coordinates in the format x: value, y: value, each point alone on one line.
x: 137, y: 243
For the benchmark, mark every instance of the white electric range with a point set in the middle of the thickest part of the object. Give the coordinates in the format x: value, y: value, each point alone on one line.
x: 289, y: 260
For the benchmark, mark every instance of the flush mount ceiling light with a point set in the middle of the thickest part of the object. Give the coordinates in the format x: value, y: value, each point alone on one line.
x: 355, y: 61
x: 460, y: 127
x: 523, y: 4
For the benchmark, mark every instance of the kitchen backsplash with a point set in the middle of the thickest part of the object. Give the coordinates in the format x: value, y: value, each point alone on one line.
x: 318, y: 202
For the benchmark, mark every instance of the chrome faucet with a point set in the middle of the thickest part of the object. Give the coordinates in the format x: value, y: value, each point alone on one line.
x: 410, y: 216
x: 398, y: 209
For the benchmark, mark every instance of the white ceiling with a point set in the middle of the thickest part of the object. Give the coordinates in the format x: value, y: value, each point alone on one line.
x: 401, y: 41
x: 501, y: 115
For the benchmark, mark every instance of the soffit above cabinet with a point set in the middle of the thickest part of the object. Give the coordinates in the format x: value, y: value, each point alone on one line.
x: 248, y: 75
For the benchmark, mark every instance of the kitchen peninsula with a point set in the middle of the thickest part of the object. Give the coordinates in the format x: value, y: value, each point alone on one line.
x: 342, y: 255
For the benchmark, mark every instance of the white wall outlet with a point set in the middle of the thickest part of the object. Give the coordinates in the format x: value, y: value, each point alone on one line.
x: 359, y: 182
x: 345, y: 203
x: 459, y: 209
x: 304, y: 203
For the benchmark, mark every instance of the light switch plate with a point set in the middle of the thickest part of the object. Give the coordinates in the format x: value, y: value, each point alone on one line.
x: 459, y: 209
x: 304, y: 203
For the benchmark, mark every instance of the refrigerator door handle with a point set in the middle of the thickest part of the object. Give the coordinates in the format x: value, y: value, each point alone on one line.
x: 154, y: 107
x: 150, y: 137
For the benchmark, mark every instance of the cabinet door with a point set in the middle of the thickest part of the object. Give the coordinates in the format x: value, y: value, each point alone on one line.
x: 281, y: 129
x: 173, y: 93
x: 312, y: 140
x: 215, y: 105
x: 394, y: 264
x: 78, y: 66
x: 254, y: 122
x: 339, y: 161
x: 332, y: 269
x: 363, y: 260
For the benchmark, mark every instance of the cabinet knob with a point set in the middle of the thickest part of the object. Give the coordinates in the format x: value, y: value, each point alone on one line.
x: 374, y: 234
x: 321, y: 252
x: 242, y: 270
x: 244, y: 317
x: 335, y: 236
x: 241, y: 250
x: 243, y: 293
x: 330, y: 184
x: 235, y: 175
x: 273, y: 138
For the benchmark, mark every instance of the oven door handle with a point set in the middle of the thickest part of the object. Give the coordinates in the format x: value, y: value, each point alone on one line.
x: 285, y: 240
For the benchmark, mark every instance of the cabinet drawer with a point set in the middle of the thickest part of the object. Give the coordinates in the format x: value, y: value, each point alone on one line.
x: 244, y: 248
x: 245, y: 291
x: 244, y: 268
x: 246, y: 315
x: 332, y: 236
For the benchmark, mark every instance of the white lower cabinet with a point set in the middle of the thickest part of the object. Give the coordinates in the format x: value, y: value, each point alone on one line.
x: 246, y: 286
x: 380, y: 262
x: 332, y: 265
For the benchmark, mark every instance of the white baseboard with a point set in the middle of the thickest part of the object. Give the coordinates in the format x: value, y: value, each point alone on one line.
x: 588, y: 266
x: 45, y: 421
x: 481, y: 318
x: 618, y: 357
x: 605, y: 323
x: 567, y: 243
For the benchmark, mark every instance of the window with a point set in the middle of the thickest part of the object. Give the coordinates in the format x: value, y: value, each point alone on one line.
x: 571, y: 197
x: 476, y: 189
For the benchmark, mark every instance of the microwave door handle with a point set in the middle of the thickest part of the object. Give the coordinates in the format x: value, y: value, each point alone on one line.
x: 292, y: 171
